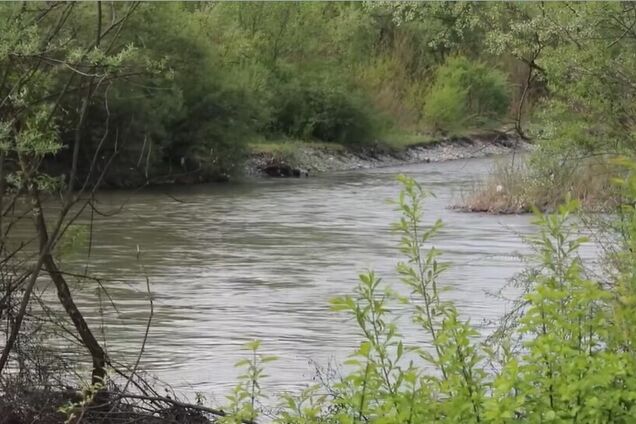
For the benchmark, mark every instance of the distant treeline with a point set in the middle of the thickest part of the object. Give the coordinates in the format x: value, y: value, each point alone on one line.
x: 183, y: 87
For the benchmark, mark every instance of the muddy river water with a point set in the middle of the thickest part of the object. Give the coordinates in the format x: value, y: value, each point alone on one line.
x: 261, y: 259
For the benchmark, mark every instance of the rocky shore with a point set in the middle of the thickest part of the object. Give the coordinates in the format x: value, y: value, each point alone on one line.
x: 306, y: 159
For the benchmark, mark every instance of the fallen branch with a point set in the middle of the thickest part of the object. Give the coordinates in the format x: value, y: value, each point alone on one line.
x: 173, y: 402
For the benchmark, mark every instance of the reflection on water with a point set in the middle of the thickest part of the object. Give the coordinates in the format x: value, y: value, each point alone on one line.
x: 260, y: 260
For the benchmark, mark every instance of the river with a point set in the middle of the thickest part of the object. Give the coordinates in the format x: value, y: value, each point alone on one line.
x: 261, y: 259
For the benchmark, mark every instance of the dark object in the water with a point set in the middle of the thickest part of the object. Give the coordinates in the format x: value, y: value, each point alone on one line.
x: 284, y: 170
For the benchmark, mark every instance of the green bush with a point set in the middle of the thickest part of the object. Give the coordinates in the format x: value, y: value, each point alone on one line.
x: 324, y: 111
x: 177, y: 112
x: 189, y: 118
x: 466, y: 94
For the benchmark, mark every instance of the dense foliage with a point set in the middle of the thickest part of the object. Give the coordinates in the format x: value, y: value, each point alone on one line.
x: 466, y: 94
x: 180, y: 89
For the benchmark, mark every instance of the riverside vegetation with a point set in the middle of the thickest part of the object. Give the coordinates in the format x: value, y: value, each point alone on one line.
x: 134, y: 93
x: 185, y: 92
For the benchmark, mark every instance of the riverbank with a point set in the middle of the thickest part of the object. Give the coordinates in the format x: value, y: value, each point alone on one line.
x: 306, y: 159
x: 303, y: 158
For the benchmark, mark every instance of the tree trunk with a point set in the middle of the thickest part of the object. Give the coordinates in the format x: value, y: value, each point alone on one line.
x: 98, y: 355
x: 88, y: 339
x: 522, y: 101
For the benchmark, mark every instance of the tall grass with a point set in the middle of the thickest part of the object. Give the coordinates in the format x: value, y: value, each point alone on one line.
x: 520, y: 187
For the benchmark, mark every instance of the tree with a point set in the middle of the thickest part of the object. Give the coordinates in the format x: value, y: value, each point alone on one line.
x: 52, y: 74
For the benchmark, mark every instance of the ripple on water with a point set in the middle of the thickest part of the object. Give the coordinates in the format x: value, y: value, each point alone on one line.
x: 228, y: 264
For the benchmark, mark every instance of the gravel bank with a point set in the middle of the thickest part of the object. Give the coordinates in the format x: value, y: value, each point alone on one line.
x: 307, y: 159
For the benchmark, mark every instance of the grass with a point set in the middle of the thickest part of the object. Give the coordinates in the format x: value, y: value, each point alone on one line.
x: 288, y: 149
x: 291, y: 152
x: 504, y: 191
x: 289, y: 146
x: 393, y: 140
x: 511, y: 189
x: 402, y: 140
x: 398, y: 140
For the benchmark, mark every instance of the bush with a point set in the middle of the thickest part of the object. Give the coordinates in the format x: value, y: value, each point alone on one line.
x: 466, y: 94
x: 323, y: 111
x: 183, y: 115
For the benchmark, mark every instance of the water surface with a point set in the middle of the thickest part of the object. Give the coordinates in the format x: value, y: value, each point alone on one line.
x: 261, y: 259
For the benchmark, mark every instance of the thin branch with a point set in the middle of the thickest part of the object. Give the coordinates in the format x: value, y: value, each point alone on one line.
x: 148, y: 323
x: 169, y: 401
